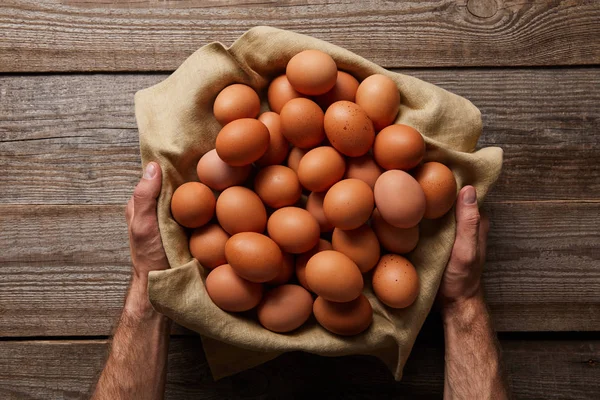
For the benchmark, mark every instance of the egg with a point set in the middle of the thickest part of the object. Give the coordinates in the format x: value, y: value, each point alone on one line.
x: 320, y: 168
x: 280, y: 92
x: 302, y: 260
x: 348, y: 128
x: 399, y: 147
x: 360, y: 245
x: 439, y: 185
x: 243, y: 141
x: 344, y: 89
x: 348, y: 204
x: 278, y: 144
x: 399, y: 199
x: 378, y: 95
x: 193, y: 204
x: 334, y: 276
x: 312, y: 72
x: 344, y: 319
x: 207, y: 245
x: 253, y: 256
x: 217, y: 174
x: 294, y: 158
x: 363, y: 168
x: 293, y: 229
x: 277, y: 186
x: 396, y: 240
x: 287, y: 270
x: 285, y: 308
x: 395, y: 281
x: 235, y: 102
x: 302, y: 123
x: 314, y: 205
x: 230, y: 292
x: 239, y: 209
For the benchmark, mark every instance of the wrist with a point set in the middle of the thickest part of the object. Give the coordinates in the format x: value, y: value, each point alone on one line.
x: 464, y: 309
x: 137, y: 302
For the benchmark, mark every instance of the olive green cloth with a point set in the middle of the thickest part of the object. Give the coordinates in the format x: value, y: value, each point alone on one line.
x: 177, y: 127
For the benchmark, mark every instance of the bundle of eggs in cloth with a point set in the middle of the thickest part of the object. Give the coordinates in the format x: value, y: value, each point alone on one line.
x: 312, y: 198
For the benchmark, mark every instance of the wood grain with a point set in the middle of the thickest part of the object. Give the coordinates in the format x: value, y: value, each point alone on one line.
x: 68, y: 369
x: 84, y: 35
x: 72, y: 139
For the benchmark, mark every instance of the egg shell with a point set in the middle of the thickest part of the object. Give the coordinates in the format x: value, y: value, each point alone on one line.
x: 239, y: 209
x: 348, y: 204
x: 334, y: 276
x: 280, y: 92
x: 349, y: 129
x: 285, y: 308
x: 235, y: 102
x: 378, y: 95
x: 302, y: 123
x: 345, y: 319
x: 193, y: 204
x: 360, y: 245
x: 230, y: 292
x: 344, y: 89
x: 277, y: 186
x: 399, y: 199
x: 395, y: 281
x: 395, y: 240
x: 293, y: 229
x: 302, y: 260
x: 243, y: 141
x: 439, y: 185
x: 207, y: 245
x: 399, y: 147
x: 253, y: 256
x: 278, y: 145
x: 294, y: 158
x: 314, y: 205
x: 320, y: 168
x: 287, y: 270
x: 364, y: 168
x: 217, y: 174
x: 312, y: 72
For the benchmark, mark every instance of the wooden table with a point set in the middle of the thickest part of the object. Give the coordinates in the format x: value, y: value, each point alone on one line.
x: 69, y: 159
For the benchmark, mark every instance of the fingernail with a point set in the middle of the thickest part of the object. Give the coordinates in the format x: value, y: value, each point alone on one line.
x: 150, y: 171
x: 470, y: 197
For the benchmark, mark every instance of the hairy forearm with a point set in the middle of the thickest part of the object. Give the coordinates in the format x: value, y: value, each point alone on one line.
x: 473, y: 367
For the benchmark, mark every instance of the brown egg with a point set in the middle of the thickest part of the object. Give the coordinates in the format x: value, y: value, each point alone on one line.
x: 399, y: 147
x: 396, y: 240
x: 378, y: 95
x: 217, y: 174
x: 303, y: 258
x: 286, y: 272
x: 359, y: 244
x: 230, y: 292
x: 399, y: 199
x: 314, y: 205
x: 280, y: 92
x: 239, y: 209
x: 344, y: 89
x: 277, y: 186
x: 293, y: 229
x: 311, y: 72
x: 294, y: 158
x: 439, y: 185
x: 302, y: 123
x: 395, y: 281
x: 243, y: 141
x: 278, y: 144
x: 193, y: 204
x: 348, y: 204
x: 349, y: 129
x: 253, y: 256
x: 334, y: 276
x: 207, y: 245
x: 235, y: 102
x: 320, y: 168
x: 285, y: 308
x: 345, y: 319
x: 363, y: 168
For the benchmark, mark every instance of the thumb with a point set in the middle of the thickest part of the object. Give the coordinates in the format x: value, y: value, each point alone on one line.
x: 147, y: 190
x: 467, y: 227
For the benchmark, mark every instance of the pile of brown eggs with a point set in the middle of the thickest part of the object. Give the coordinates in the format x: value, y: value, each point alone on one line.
x: 311, y: 198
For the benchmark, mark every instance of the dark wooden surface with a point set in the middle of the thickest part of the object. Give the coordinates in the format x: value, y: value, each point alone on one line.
x: 69, y: 158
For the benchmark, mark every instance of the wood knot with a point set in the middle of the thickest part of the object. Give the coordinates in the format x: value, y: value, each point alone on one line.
x: 482, y: 8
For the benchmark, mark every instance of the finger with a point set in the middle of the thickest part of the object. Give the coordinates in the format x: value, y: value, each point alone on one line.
x: 484, y: 228
x: 129, y: 211
x: 467, y: 227
x: 146, y: 192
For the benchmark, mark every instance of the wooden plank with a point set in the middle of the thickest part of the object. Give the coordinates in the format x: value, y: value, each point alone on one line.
x: 68, y: 369
x: 130, y: 35
x: 64, y: 270
x: 73, y: 139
